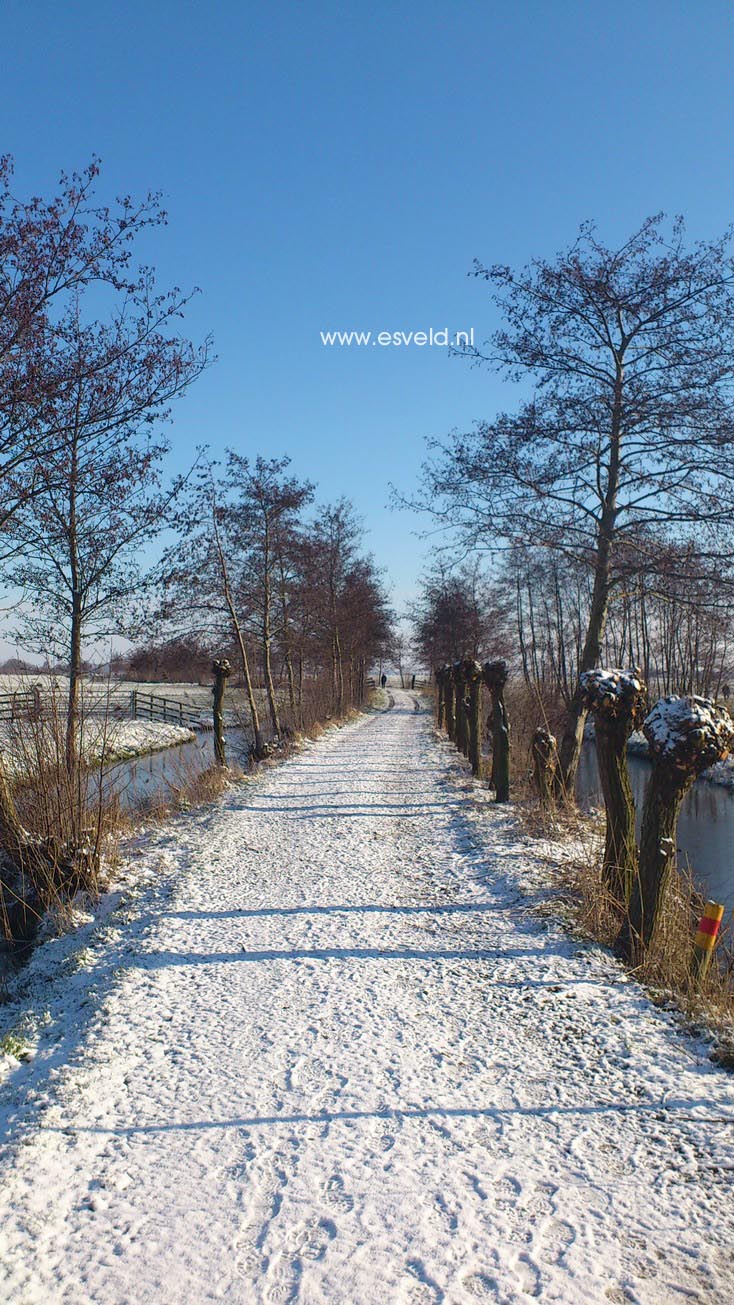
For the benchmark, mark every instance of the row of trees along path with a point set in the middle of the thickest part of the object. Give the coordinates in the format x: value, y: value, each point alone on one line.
x: 685, y: 735
x: 623, y: 457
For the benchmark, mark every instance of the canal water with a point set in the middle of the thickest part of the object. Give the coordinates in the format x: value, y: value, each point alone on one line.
x: 705, y: 827
x: 156, y: 774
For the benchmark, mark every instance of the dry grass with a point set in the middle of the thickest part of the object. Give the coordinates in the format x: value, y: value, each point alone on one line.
x: 667, y: 971
x: 64, y: 812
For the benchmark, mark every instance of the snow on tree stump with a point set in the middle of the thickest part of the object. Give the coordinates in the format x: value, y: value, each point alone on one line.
x: 617, y: 700
x: 473, y: 679
x: 222, y: 671
x: 495, y: 676
x: 545, y: 765
x: 685, y: 736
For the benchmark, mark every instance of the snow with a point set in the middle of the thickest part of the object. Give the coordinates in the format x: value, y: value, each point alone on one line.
x: 722, y: 772
x: 101, y: 693
x: 612, y: 690
x: 322, y: 1047
x: 688, y: 729
x: 133, y: 738
x: 111, y: 740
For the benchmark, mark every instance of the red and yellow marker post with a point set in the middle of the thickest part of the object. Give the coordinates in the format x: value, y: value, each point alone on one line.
x: 706, y: 935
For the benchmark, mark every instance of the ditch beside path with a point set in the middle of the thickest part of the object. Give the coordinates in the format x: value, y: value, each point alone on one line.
x: 344, y: 1062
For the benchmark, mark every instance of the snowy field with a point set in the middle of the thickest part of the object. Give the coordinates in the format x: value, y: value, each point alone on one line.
x: 101, y: 693
x: 323, y: 1050
x: 111, y: 740
x: 133, y: 738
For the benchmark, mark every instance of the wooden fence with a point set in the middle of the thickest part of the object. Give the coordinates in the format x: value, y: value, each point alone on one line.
x: 150, y: 706
x: 22, y: 703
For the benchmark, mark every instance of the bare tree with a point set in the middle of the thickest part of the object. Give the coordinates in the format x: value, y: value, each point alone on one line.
x: 201, y: 593
x: 97, y: 494
x: 263, y: 504
x: 50, y: 252
x: 458, y: 612
x: 629, y: 437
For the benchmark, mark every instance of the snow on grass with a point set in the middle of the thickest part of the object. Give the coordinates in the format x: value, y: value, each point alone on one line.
x: 101, y: 692
x: 133, y: 738
x: 102, y: 740
x: 324, y: 1049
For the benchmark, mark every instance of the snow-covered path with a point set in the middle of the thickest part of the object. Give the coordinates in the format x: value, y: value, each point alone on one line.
x: 332, y: 1057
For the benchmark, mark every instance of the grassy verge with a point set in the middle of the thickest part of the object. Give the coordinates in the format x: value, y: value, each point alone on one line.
x: 82, y: 808
x: 571, y: 844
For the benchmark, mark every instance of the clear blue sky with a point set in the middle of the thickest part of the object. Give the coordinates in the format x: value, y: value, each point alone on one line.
x: 339, y: 165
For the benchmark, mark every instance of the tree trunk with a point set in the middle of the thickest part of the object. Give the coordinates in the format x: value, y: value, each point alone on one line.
x: 475, y: 725
x: 685, y: 736
x: 665, y: 792
x: 450, y: 689
x: 573, y: 736
x: 258, y: 743
x: 339, y: 674
x: 286, y: 636
x: 267, y: 668
x: 222, y: 670
x: 439, y: 677
x: 462, y: 721
x: 500, y: 751
x: 545, y: 764
x: 495, y: 677
x: 75, y: 668
x: 620, y: 847
x: 75, y: 640
x: 617, y: 700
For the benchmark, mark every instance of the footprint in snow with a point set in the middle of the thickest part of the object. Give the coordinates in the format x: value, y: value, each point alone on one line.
x: 427, y: 1292
x: 336, y: 1195
x: 529, y: 1275
x: 482, y: 1286
x: 283, y: 1287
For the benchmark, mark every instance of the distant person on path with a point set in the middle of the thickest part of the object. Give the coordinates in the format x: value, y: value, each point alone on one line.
x: 412, y: 683
x: 383, y: 680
